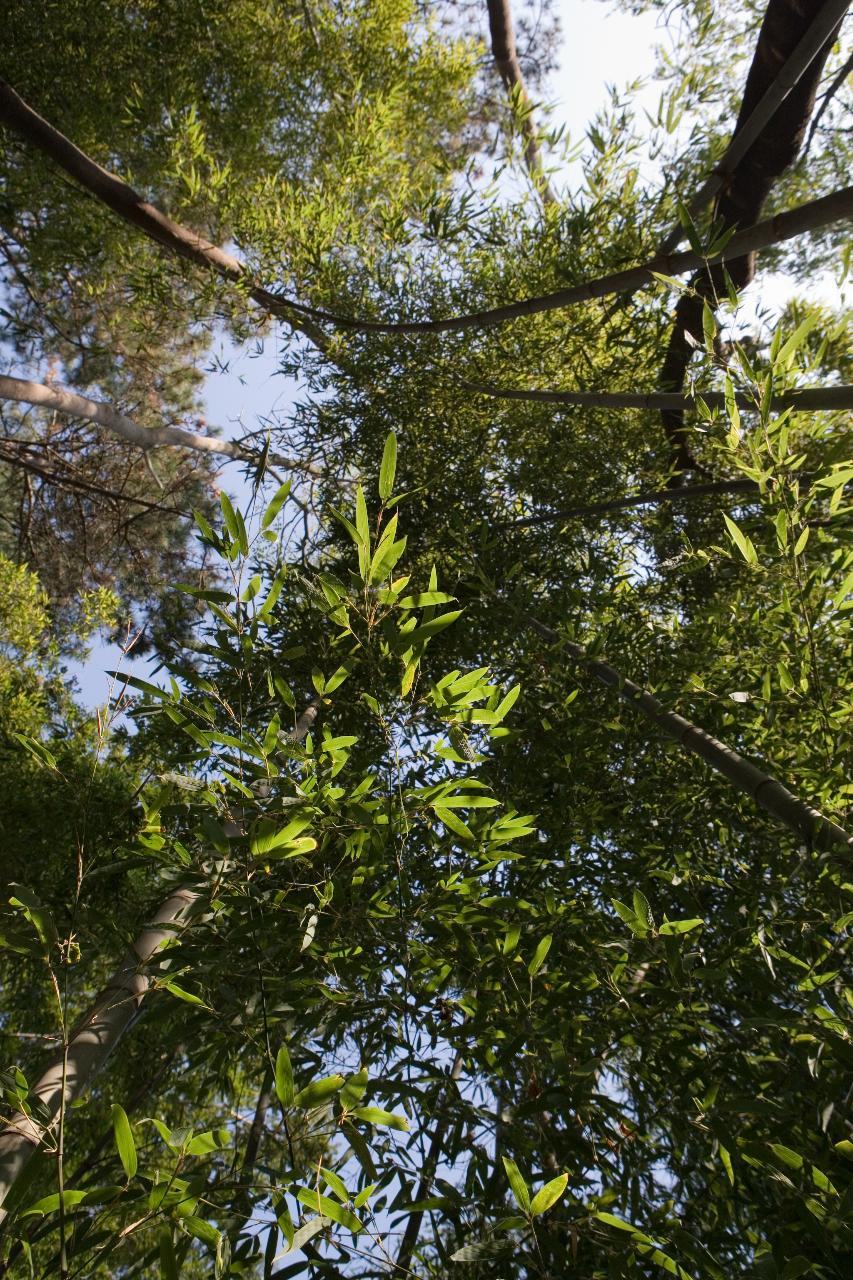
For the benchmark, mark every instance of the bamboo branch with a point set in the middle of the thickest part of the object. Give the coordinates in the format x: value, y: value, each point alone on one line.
x: 813, y: 216
x: 98, y: 1032
x: 105, y: 415
x: 822, y: 31
x: 818, y: 398
x: 413, y: 1226
x: 505, y: 55
x: 826, y: 100
x: 809, y: 823
x: 637, y: 500
x: 256, y: 1131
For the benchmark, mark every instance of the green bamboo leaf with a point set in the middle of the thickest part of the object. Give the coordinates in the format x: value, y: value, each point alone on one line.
x: 362, y: 525
x: 539, y: 955
x: 669, y: 928
x: 276, y: 503
x: 375, y: 1115
x: 642, y: 910
x: 388, y: 467
x: 144, y: 686
x: 284, y: 1077
x: 800, y: 544
x: 37, y: 750
x: 548, y: 1195
x: 187, y: 996
x: 426, y: 629
x: 453, y: 822
x: 36, y: 912
x: 354, y: 1089
x: 727, y: 1164
x: 741, y: 541
x: 424, y: 598
x: 199, y: 593
x: 511, y: 938
x: 332, y: 1180
x: 330, y: 1209
x: 796, y: 340
x: 268, y: 836
x: 318, y: 1092
x: 124, y: 1140
x: 307, y: 1232
x: 517, y: 1184
x: 229, y: 515
x: 612, y: 1221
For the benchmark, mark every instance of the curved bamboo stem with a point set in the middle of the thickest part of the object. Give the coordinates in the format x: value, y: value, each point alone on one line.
x: 91, y: 1042
x: 124, y: 201
x: 129, y: 205
x: 817, y: 398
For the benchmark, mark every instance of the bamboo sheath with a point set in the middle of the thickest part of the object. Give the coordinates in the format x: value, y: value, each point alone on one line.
x: 124, y: 201
x: 93, y: 1039
x: 809, y: 823
x: 72, y: 405
x: 823, y: 28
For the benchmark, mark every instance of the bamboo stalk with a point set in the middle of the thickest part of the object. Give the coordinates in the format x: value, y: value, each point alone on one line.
x: 822, y: 29
x: 124, y: 201
x: 91, y: 1042
x: 809, y: 823
x: 505, y: 54
x: 98, y: 1032
x: 72, y: 405
x: 818, y: 398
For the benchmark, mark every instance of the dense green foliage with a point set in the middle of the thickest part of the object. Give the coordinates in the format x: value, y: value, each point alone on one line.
x: 485, y: 975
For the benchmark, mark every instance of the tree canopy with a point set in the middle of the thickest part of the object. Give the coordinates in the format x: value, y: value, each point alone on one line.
x: 464, y: 889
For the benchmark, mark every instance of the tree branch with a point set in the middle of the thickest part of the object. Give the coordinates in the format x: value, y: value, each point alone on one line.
x: 505, y: 55
x: 17, y: 459
x: 413, y: 1225
x: 826, y: 100
x: 685, y: 494
x: 75, y: 406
